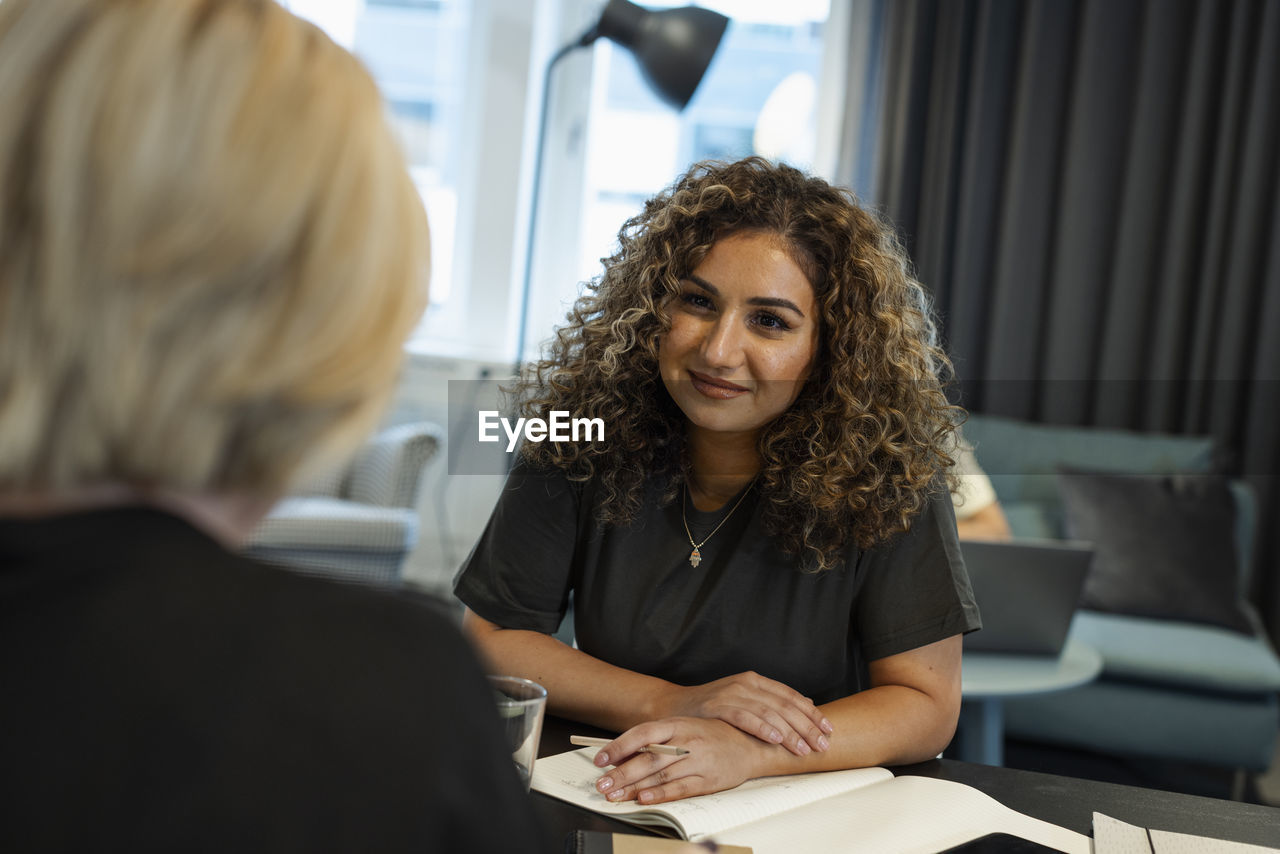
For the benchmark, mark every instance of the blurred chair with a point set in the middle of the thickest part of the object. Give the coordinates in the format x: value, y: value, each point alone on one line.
x: 360, y: 522
x: 1169, y: 689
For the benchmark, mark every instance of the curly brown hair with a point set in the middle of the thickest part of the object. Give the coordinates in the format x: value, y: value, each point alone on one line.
x: 861, y: 449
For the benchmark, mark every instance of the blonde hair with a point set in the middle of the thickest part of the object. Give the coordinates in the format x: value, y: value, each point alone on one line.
x: 210, y: 248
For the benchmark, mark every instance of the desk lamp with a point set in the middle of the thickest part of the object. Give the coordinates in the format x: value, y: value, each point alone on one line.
x: 673, y: 48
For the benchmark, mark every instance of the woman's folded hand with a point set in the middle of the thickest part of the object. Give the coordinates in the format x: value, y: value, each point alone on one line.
x: 769, y: 710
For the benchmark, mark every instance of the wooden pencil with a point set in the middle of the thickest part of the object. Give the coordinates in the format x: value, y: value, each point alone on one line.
x: 664, y: 749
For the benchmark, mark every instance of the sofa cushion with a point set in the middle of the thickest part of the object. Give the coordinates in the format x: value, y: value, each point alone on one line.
x: 1022, y: 459
x: 328, y: 481
x: 1192, y: 655
x: 1164, y: 545
x: 332, y: 523
x: 1125, y: 719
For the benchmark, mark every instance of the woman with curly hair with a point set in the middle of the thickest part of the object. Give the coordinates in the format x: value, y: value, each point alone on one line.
x: 761, y: 550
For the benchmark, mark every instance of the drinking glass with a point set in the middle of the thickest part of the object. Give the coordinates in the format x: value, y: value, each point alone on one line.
x: 521, y: 706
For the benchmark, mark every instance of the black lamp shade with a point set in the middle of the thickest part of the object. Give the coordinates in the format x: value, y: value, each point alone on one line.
x: 672, y: 46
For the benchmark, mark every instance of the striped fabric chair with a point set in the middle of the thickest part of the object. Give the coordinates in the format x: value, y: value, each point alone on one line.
x: 357, y: 524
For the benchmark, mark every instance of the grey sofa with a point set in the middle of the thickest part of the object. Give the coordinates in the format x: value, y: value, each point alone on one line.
x: 1169, y: 689
x: 359, y: 523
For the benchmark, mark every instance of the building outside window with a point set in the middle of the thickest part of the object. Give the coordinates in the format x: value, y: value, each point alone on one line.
x: 757, y: 98
x: 416, y: 51
x: 441, y: 65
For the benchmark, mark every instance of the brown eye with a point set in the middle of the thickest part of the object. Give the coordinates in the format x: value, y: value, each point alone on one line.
x: 771, y: 321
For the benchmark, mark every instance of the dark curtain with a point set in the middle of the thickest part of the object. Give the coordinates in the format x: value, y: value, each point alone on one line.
x: 1091, y: 190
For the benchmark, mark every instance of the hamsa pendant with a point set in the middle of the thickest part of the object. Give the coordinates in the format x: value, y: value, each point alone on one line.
x: 695, y: 557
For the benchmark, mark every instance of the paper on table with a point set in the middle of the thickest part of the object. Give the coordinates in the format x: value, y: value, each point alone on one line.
x: 906, y: 815
x: 865, y: 809
x: 1112, y: 836
x: 1167, y: 842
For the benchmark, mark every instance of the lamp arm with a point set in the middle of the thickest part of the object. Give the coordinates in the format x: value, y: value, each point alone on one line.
x: 625, y: 23
x: 522, y: 332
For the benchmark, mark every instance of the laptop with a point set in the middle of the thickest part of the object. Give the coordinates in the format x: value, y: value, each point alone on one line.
x: 1027, y: 591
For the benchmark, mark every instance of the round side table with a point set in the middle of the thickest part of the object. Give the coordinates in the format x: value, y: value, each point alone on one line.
x: 988, y: 678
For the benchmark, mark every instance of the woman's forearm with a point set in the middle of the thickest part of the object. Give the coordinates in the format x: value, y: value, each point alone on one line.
x: 889, y: 725
x: 579, y: 686
x: 908, y: 716
x: 587, y: 689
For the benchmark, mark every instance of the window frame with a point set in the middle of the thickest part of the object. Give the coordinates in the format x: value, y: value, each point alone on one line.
x: 510, y: 43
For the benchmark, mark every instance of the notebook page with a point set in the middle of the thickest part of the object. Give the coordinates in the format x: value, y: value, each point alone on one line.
x: 1168, y: 842
x: 571, y: 777
x: 909, y: 815
x: 1112, y: 836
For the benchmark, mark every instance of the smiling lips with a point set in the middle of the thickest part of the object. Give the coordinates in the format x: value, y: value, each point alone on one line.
x: 714, y: 388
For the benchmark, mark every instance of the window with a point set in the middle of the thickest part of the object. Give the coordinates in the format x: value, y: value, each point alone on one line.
x: 462, y: 79
x: 759, y: 96
x: 416, y: 51
x: 756, y: 98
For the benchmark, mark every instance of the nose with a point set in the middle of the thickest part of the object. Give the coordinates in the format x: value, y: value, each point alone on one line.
x: 722, y: 348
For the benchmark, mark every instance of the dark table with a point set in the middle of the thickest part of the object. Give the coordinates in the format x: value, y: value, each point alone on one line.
x: 1064, y: 801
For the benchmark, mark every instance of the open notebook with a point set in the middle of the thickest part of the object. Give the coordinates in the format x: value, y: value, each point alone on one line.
x: 830, y: 811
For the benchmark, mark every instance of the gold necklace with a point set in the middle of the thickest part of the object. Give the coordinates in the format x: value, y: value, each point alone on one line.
x: 695, y: 557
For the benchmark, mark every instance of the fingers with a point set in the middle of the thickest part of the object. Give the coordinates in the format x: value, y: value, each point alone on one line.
x: 651, y: 779
x: 719, y: 757
x: 630, y: 742
x: 806, y: 734
x: 776, y: 713
x: 642, y: 771
x: 674, y: 791
x: 761, y: 721
x: 799, y: 711
x: 657, y: 791
x: 797, y: 734
x: 789, y: 726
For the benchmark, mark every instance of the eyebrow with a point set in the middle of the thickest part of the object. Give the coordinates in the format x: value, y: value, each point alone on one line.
x: 773, y: 302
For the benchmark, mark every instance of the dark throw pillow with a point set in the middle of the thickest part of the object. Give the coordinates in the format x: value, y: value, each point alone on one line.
x: 1164, y: 545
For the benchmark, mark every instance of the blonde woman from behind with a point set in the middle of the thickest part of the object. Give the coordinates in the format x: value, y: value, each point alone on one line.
x: 210, y: 256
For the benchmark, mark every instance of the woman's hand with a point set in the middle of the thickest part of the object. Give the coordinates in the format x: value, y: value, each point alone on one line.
x: 720, y: 757
x: 761, y: 707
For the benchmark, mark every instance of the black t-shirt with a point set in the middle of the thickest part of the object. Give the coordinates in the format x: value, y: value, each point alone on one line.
x: 641, y: 605
x: 162, y: 694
